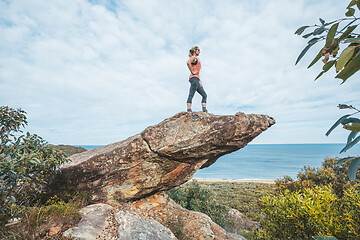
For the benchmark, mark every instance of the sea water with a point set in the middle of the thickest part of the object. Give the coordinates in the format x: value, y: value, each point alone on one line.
x: 269, y: 161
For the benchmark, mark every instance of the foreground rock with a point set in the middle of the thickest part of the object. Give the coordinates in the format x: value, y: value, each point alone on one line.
x: 186, y: 224
x: 161, y: 157
x: 156, y: 217
x: 92, y: 223
x: 133, y: 227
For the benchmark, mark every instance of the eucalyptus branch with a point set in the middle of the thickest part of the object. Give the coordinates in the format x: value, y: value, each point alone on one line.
x: 352, y: 107
x: 346, y: 63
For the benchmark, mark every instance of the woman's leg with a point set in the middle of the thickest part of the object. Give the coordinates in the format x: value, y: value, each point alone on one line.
x: 202, y: 92
x: 193, y: 88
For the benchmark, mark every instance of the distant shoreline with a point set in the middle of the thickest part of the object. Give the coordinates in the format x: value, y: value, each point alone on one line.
x: 235, y: 181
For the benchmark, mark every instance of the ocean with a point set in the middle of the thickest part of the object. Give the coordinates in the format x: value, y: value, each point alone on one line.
x: 267, y: 162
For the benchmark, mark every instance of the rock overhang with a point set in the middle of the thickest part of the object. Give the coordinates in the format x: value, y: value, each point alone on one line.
x: 162, y: 156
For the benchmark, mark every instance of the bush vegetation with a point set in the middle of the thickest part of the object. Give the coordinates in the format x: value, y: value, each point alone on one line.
x: 311, y: 212
x: 36, y: 222
x: 216, y: 198
x: 26, y: 164
x: 329, y: 173
x: 196, y: 198
x: 321, y: 202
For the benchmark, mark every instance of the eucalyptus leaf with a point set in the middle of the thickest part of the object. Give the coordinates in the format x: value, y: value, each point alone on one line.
x: 322, y: 21
x: 318, y: 56
x: 319, y: 75
x: 351, y: 136
x: 352, y: 3
x: 350, y: 69
x: 331, y: 34
x: 343, y: 106
x: 319, y: 30
x: 349, y: 120
x: 350, y: 144
x: 345, y: 56
x: 353, y: 168
x: 314, y: 40
x: 328, y: 65
x: 307, y: 35
x: 350, y: 12
x: 303, y: 53
x: 336, y: 124
x: 340, y: 161
x: 301, y: 30
x: 347, y: 32
x: 352, y: 40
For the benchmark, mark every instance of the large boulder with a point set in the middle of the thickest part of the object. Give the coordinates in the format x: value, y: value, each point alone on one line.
x: 161, y: 157
x: 92, y: 223
x: 154, y: 217
x: 134, y: 227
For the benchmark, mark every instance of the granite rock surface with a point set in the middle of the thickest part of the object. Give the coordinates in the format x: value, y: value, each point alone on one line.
x: 161, y: 157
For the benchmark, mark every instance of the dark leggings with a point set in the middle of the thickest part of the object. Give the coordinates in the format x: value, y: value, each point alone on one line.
x: 195, y: 86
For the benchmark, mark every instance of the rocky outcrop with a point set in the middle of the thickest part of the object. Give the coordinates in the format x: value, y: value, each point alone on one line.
x: 161, y: 157
x: 154, y: 217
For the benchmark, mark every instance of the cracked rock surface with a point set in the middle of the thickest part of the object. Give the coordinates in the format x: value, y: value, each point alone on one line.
x: 92, y: 222
x: 161, y: 157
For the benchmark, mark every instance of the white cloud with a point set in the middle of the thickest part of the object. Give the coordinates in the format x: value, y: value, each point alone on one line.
x: 97, y: 72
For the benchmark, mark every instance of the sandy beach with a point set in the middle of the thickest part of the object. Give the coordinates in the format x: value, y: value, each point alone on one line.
x: 236, y: 181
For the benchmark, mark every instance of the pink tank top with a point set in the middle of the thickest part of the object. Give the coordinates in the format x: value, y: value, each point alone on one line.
x: 196, y: 65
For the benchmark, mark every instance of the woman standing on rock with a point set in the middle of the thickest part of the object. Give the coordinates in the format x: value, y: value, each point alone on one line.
x: 194, y: 66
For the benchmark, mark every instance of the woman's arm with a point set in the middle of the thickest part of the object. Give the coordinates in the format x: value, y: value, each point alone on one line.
x: 191, y: 60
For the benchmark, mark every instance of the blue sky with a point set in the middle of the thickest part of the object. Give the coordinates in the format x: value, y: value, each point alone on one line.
x: 97, y: 72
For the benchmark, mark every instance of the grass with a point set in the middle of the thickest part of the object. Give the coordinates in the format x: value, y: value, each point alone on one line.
x: 38, y: 221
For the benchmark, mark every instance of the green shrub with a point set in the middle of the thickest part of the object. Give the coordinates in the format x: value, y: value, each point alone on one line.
x: 311, y: 212
x: 195, y: 198
x: 321, y: 202
x: 350, y: 214
x: 300, y: 215
x: 328, y: 173
x: 26, y: 162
